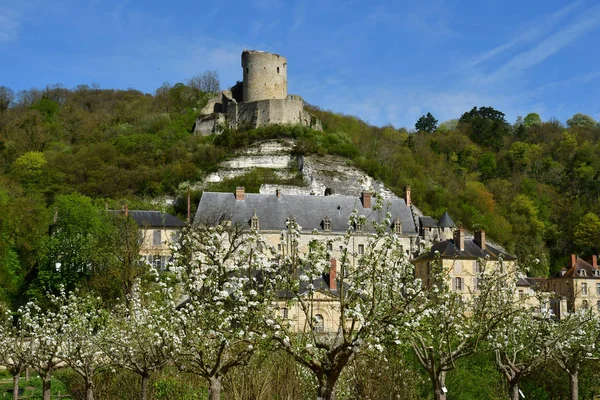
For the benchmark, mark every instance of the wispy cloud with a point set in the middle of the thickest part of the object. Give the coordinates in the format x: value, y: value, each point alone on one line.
x: 9, y: 24
x: 530, y: 34
x: 547, y: 47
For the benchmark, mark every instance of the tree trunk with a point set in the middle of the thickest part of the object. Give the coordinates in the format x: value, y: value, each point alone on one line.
x: 89, y: 391
x: 439, y: 384
x: 26, y: 374
x: 215, y: 388
x: 513, y: 390
x: 326, y: 389
x: 574, y: 384
x: 145, y: 379
x: 46, y: 386
x: 16, y: 386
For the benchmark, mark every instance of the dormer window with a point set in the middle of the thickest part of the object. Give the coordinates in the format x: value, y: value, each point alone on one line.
x: 597, y: 273
x: 398, y: 226
x: 358, y: 227
x: 327, y: 224
x: 582, y: 272
x: 255, y: 223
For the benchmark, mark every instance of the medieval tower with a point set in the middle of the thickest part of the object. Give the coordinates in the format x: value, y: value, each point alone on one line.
x: 264, y: 100
x: 265, y: 76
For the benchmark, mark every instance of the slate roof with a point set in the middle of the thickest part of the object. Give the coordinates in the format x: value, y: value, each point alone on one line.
x: 446, y: 221
x: 427, y: 222
x: 447, y: 249
x: 581, y: 269
x: 308, y: 211
x: 154, y: 219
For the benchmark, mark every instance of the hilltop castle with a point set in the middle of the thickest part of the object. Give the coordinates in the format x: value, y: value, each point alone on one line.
x: 261, y: 100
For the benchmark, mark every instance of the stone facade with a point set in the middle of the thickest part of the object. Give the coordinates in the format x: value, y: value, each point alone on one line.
x: 265, y: 76
x: 264, y: 99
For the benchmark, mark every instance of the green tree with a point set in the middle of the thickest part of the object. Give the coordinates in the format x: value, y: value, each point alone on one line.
x: 532, y: 119
x: 426, y: 123
x: 29, y: 168
x: 487, y: 126
x: 585, y: 236
x: 582, y: 121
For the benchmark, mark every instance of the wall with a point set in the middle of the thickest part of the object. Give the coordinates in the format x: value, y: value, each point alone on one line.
x: 270, y: 112
x: 265, y: 76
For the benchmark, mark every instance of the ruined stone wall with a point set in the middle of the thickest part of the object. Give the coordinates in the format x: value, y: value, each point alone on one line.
x: 265, y: 76
x: 268, y: 112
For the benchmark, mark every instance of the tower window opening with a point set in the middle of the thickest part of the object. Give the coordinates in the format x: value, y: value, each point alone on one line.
x: 277, y: 69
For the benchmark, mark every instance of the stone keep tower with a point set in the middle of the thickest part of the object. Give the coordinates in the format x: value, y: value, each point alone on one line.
x: 265, y: 76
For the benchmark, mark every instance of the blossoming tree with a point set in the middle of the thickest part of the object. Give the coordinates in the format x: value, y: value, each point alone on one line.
x: 373, y: 298
x: 229, y: 282
x: 15, y: 349
x: 454, y: 324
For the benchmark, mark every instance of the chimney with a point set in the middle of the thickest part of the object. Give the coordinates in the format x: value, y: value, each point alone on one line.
x: 594, y: 261
x: 239, y: 193
x: 332, y: 275
x: 407, y: 195
x: 480, y: 239
x: 189, y: 208
x: 573, y: 260
x: 278, y: 193
x: 366, y: 199
x: 459, y: 239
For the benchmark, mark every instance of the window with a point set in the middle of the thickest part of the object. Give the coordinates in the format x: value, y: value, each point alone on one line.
x: 175, y: 236
x: 475, y: 283
x: 398, y: 226
x: 361, y: 249
x: 584, y: 304
x: 358, y: 227
x: 329, y: 246
x: 476, y: 267
x: 598, y: 305
x: 318, y: 323
x: 584, y: 289
x: 582, y: 272
x: 277, y: 69
x: 457, y: 267
x: 255, y: 224
x: 521, y: 294
x: 157, y: 238
x: 458, y: 284
x: 327, y: 224
x: 284, y: 313
x: 598, y: 289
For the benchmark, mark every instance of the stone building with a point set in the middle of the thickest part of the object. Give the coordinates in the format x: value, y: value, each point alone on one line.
x: 577, y: 285
x: 264, y: 99
x: 461, y: 260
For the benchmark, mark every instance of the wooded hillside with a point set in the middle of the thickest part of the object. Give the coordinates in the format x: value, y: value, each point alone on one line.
x: 532, y: 185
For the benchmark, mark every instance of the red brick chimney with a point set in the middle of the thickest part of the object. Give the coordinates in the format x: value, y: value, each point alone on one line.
x: 407, y: 195
x: 573, y: 260
x: 594, y: 261
x: 459, y: 239
x: 239, y: 193
x: 480, y: 239
x: 332, y: 275
x: 366, y: 199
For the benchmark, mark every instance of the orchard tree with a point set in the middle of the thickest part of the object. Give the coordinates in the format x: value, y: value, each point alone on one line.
x: 426, y: 123
x: 207, y: 82
x: 229, y: 283
x: 43, y: 328
x: 84, y: 320
x: 15, y: 349
x: 523, y: 344
x: 454, y: 324
x: 139, y: 337
x: 577, y: 345
x: 374, y: 295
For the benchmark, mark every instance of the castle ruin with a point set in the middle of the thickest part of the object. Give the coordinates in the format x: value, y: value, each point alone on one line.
x: 263, y: 101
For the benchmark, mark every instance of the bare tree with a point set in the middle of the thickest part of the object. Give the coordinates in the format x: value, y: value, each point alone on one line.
x: 6, y: 97
x: 207, y: 82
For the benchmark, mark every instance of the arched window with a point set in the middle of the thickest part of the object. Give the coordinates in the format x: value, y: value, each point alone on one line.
x: 318, y: 323
x: 277, y: 69
x: 398, y: 226
x: 255, y: 222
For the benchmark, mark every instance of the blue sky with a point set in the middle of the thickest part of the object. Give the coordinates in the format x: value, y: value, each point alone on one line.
x: 385, y: 62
